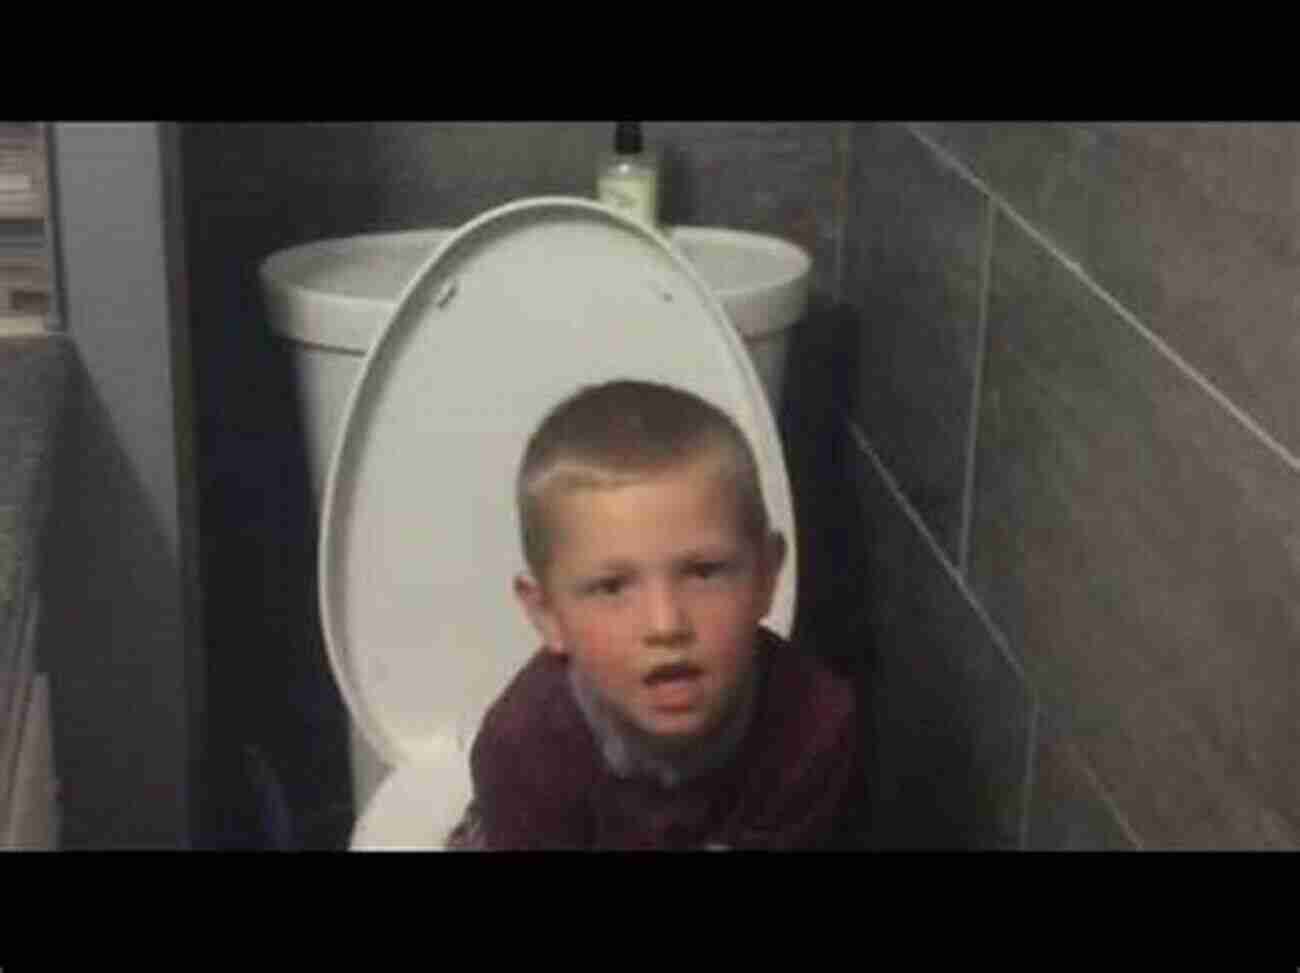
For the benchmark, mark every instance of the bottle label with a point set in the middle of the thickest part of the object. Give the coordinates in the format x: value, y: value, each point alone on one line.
x: 636, y: 197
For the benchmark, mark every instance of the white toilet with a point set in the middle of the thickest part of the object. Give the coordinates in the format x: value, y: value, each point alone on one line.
x: 419, y: 537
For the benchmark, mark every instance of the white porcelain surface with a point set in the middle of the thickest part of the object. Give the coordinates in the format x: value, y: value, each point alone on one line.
x: 761, y: 280
x: 416, y: 806
x: 338, y: 293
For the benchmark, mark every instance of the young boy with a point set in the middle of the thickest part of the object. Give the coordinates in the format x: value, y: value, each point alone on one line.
x: 658, y: 714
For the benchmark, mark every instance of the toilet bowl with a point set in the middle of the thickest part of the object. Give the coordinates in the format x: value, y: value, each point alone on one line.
x: 418, y: 532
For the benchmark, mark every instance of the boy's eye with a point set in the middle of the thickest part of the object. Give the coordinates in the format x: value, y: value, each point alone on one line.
x: 708, y: 569
x: 606, y: 586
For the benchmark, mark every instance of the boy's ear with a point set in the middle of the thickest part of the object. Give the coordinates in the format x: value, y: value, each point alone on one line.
x: 532, y: 596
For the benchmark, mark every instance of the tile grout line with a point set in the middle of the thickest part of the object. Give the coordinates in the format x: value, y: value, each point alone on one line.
x: 1105, y: 796
x: 1031, y: 764
x: 1161, y: 346
x: 919, y: 523
x: 981, y: 333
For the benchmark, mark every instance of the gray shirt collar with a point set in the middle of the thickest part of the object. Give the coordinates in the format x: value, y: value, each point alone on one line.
x: 627, y: 753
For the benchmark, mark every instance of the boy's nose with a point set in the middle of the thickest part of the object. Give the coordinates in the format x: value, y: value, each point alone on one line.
x: 668, y: 620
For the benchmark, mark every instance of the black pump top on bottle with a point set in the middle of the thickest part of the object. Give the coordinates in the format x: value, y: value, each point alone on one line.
x: 627, y: 138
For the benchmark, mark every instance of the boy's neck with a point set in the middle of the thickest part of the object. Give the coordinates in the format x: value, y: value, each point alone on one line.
x: 628, y: 754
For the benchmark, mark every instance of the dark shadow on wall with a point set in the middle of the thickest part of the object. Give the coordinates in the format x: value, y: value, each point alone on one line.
x: 677, y: 202
x: 821, y: 374
x: 277, y: 725
x: 123, y: 733
x: 832, y: 617
x: 276, y: 759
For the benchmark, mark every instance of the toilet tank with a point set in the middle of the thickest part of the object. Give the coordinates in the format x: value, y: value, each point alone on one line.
x: 330, y: 299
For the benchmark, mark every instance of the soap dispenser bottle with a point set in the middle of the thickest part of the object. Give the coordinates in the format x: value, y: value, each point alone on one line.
x: 628, y: 179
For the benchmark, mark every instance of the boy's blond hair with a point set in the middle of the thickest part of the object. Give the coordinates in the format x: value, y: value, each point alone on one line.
x: 619, y: 433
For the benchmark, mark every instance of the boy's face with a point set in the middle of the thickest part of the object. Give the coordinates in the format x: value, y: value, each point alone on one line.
x: 654, y: 592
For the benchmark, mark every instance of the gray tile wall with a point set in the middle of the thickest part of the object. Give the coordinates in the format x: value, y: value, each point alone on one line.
x: 1119, y: 511
x: 913, y: 269
x: 950, y: 715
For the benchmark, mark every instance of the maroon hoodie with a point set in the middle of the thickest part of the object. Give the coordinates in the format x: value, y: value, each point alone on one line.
x: 793, y: 781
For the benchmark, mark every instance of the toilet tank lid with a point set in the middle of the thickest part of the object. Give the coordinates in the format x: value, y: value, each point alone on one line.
x: 419, y: 537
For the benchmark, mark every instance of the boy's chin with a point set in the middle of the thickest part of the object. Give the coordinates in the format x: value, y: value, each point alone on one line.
x: 676, y: 734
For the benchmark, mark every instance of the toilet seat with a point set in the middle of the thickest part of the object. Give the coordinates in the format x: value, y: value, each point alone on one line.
x: 510, y: 315
x: 417, y: 805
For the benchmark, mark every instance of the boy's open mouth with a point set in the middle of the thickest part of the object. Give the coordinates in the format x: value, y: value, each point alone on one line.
x: 675, y: 687
x: 674, y: 672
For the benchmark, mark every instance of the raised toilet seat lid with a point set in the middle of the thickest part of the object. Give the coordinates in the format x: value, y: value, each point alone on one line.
x: 419, y: 537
